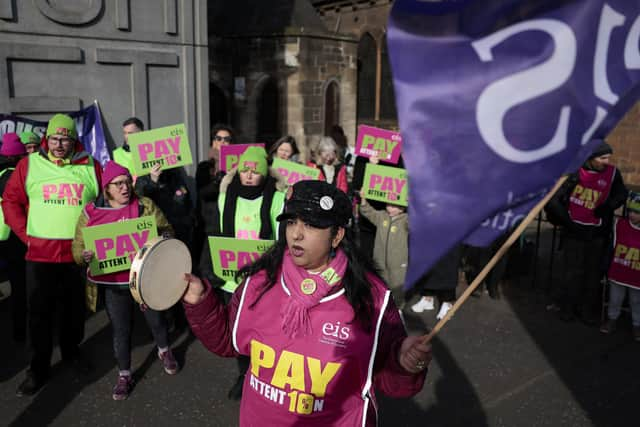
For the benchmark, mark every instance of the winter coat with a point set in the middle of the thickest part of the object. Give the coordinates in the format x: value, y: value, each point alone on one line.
x: 15, y: 205
x: 390, y: 249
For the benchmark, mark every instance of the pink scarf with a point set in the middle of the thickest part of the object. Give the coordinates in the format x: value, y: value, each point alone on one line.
x: 307, y: 290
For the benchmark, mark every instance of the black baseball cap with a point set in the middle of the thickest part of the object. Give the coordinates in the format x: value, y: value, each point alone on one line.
x: 317, y: 203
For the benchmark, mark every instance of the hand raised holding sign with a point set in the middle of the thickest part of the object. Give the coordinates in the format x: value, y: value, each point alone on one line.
x: 155, y: 172
x: 87, y: 255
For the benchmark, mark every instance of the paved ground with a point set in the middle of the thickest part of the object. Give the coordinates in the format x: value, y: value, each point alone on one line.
x: 497, y: 363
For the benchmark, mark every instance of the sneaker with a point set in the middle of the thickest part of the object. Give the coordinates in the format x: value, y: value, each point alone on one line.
x: 236, y: 391
x: 608, y: 327
x: 123, y: 387
x: 636, y: 333
x: 168, y: 362
x: 425, y: 303
x: 444, y: 309
x: 30, y: 385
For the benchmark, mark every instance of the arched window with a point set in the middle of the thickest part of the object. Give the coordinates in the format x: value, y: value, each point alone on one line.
x: 218, y: 105
x: 331, y: 107
x: 268, y: 113
x: 387, y: 94
x: 366, y: 78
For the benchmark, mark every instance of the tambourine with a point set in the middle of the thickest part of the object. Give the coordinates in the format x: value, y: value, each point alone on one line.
x: 157, y: 273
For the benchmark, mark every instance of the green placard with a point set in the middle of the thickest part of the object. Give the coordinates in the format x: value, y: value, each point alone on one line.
x: 294, y: 172
x: 228, y: 255
x: 168, y: 146
x: 116, y: 244
x: 386, y: 184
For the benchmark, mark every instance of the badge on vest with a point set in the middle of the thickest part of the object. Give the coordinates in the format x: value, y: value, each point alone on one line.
x: 308, y: 286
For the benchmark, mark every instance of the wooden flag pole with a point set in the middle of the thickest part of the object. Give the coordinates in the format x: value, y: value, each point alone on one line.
x: 499, y: 254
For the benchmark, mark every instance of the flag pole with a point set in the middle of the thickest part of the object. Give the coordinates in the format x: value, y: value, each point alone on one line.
x: 499, y: 254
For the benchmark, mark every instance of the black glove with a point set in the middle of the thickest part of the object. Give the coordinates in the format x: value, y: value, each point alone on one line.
x: 601, y: 211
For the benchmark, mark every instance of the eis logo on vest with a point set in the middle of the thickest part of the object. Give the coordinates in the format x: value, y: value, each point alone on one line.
x: 335, y: 334
x: 63, y: 194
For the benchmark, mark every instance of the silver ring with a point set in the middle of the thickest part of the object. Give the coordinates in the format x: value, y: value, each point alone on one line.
x: 421, y: 365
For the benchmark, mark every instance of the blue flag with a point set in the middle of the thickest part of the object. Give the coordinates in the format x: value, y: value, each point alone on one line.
x: 496, y: 100
x: 88, y: 124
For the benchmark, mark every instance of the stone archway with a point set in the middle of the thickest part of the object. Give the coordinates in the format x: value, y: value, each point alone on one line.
x: 366, y: 78
x: 331, y: 106
x: 268, y: 123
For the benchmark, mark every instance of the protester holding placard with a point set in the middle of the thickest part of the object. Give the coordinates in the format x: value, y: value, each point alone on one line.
x: 168, y: 189
x: 391, y: 246
x: 208, y: 178
x: 122, y: 155
x: 284, y: 148
x: 118, y: 203
x: 251, y: 197
x: 12, y: 249
x: 326, y: 159
x: 42, y: 202
x: 366, y: 230
x: 318, y: 323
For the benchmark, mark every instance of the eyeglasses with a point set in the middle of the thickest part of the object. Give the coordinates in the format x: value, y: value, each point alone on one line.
x: 120, y: 184
x: 63, y: 141
x: 222, y: 138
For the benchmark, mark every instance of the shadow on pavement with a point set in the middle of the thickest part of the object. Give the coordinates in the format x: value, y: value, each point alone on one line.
x: 455, y: 401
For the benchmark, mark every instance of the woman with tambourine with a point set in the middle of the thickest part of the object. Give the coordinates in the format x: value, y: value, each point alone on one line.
x: 318, y: 323
x: 116, y: 203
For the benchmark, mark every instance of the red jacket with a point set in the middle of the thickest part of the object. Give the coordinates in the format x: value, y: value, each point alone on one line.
x: 15, y: 205
x: 340, y: 178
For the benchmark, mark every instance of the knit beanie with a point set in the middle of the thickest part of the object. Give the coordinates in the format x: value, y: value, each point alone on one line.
x: 112, y: 170
x: 601, y: 149
x: 11, y: 145
x: 29, y: 138
x: 61, y: 124
x: 254, y: 158
x: 633, y: 202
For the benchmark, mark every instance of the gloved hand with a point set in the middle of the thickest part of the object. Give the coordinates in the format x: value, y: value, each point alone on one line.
x: 601, y: 211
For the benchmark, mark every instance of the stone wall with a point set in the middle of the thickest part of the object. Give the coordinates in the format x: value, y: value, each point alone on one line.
x: 302, y: 67
x: 625, y: 140
x: 144, y: 58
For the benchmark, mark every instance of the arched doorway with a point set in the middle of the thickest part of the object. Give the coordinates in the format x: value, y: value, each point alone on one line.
x: 268, y: 112
x: 387, y: 95
x: 218, y: 105
x: 366, y: 78
x: 331, y: 107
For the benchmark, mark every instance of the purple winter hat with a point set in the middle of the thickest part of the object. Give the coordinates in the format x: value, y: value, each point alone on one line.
x: 11, y: 145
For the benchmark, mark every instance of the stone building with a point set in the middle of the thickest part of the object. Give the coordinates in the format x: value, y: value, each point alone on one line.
x: 268, y: 67
x: 299, y: 67
x: 144, y: 58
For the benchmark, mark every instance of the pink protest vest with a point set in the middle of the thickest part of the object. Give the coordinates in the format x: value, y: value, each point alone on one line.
x: 99, y: 216
x: 625, y: 265
x: 590, y: 192
x: 324, y: 379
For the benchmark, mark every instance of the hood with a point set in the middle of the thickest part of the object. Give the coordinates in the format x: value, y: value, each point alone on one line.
x: 281, y: 184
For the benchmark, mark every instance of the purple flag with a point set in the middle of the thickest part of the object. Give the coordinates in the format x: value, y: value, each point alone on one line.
x: 496, y: 100
x: 88, y: 124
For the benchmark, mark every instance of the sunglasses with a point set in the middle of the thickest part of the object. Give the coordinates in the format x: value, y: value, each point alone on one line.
x: 222, y: 138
